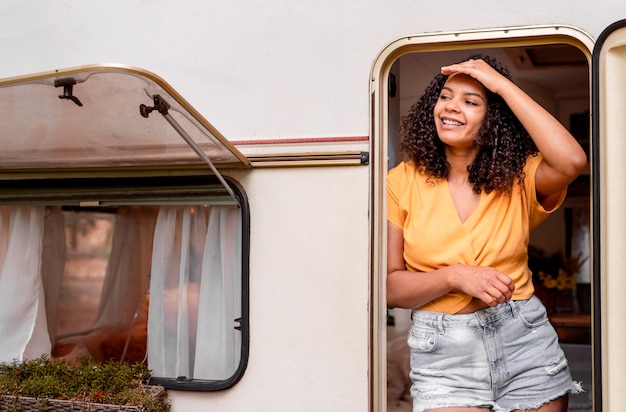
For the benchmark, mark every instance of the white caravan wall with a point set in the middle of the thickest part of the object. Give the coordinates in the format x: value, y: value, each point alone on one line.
x: 308, y: 305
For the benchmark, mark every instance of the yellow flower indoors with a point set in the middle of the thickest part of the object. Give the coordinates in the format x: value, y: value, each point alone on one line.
x: 554, y: 271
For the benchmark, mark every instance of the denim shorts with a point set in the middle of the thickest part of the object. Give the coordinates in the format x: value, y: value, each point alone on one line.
x: 502, y: 358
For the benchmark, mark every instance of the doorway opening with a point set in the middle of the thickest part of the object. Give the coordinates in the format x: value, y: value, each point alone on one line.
x: 555, y: 71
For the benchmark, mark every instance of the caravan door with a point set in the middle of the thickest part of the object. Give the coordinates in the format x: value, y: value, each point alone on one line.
x: 609, y: 219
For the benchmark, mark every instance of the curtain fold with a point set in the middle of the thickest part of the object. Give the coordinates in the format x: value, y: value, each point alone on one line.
x: 53, y: 265
x: 23, y: 326
x: 127, y: 275
x: 220, y: 297
x: 195, y: 292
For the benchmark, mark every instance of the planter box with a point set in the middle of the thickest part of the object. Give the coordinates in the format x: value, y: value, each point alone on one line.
x: 45, y: 384
x: 27, y: 404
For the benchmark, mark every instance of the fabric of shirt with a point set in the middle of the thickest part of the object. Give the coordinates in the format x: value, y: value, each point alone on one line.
x: 496, y: 234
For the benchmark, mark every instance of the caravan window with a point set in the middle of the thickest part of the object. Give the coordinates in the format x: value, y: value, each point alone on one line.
x: 148, y: 270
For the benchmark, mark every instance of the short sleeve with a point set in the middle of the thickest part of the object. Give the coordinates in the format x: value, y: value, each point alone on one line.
x: 537, y: 212
x: 396, y: 179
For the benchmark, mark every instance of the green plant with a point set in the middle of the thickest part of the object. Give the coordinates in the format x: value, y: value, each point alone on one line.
x: 112, y: 383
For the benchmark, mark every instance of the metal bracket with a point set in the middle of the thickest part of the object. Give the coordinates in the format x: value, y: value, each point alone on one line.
x: 163, y: 107
x: 68, y: 89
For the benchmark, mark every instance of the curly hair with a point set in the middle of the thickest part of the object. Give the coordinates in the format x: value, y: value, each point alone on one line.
x: 504, y: 144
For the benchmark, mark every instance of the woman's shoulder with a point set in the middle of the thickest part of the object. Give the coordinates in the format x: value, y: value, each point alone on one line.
x: 408, y: 176
x: 403, y: 169
x: 409, y: 171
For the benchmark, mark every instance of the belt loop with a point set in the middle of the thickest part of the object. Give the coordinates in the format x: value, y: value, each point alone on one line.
x: 440, y: 323
x: 514, y: 308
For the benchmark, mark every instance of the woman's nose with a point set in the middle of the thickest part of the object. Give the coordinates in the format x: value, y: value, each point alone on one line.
x: 451, y: 105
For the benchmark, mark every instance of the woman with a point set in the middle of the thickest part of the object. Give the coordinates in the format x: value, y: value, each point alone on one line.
x: 484, y: 164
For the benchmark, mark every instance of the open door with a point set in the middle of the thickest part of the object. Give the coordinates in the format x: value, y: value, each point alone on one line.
x: 609, y: 218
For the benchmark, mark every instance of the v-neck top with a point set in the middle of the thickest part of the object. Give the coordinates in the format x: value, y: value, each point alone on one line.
x: 495, y: 234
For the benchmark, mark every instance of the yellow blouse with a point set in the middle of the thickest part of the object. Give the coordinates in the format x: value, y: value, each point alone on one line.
x: 496, y: 233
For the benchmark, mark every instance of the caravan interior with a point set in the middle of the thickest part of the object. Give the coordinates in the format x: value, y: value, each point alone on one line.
x: 557, y: 76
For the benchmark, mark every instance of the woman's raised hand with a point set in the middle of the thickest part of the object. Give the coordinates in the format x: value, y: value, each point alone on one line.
x: 479, y: 70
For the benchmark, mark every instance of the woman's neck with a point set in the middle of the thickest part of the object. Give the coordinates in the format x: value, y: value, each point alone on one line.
x: 459, y: 162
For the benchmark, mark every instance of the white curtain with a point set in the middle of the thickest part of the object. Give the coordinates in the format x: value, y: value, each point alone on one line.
x: 127, y: 275
x: 23, y: 326
x: 53, y: 265
x: 195, y: 293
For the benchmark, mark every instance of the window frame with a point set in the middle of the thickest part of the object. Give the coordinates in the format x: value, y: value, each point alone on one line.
x: 153, y: 190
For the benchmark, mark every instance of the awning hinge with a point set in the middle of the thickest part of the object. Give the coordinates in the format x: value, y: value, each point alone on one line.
x: 163, y: 107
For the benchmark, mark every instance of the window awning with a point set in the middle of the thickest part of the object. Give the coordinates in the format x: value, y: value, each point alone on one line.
x: 103, y: 116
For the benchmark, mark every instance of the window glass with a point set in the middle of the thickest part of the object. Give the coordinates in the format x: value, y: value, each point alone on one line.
x: 102, y: 116
x: 88, y: 243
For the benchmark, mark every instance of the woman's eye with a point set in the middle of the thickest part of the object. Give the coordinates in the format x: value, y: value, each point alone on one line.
x: 471, y: 103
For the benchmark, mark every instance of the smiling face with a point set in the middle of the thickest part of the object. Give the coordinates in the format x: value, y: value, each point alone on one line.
x: 460, y: 111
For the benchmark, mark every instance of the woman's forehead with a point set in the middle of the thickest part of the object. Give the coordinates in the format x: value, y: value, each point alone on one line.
x: 463, y: 83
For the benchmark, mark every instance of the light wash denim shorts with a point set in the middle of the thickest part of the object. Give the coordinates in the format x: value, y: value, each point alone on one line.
x: 502, y: 358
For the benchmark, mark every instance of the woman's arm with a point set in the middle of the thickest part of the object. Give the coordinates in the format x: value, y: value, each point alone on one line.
x: 563, y: 158
x: 409, y: 290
